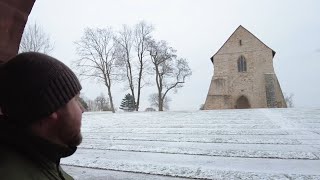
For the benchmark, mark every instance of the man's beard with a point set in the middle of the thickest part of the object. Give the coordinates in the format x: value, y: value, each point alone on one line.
x: 69, y: 135
x: 75, y: 140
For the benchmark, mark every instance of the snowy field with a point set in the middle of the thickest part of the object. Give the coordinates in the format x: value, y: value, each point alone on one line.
x: 221, y: 144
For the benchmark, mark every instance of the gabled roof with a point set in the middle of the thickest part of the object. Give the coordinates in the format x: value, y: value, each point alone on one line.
x: 273, y: 52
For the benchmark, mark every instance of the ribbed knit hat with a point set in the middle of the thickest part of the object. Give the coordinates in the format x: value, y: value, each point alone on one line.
x: 33, y: 86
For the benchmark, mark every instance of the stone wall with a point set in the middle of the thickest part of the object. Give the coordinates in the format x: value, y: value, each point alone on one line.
x: 270, y: 90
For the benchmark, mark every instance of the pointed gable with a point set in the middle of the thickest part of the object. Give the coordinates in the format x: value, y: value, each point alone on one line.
x: 241, y: 37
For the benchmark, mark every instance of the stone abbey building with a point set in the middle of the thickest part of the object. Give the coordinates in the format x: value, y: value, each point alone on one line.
x: 244, y: 76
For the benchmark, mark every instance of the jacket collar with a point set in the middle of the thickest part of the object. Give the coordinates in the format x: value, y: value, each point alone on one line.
x: 31, y: 145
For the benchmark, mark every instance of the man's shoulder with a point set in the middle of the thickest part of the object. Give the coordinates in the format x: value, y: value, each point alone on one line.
x: 13, y: 164
x: 11, y: 156
x: 16, y: 165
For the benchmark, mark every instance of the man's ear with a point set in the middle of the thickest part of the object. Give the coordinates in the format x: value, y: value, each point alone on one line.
x: 45, y: 123
x: 49, y: 120
x: 53, y: 117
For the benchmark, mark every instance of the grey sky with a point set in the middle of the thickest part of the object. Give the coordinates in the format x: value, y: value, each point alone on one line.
x: 197, y: 29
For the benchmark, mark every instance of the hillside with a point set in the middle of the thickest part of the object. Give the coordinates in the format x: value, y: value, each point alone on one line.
x: 220, y: 144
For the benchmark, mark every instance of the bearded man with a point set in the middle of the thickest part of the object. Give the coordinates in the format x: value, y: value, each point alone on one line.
x: 41, y: 117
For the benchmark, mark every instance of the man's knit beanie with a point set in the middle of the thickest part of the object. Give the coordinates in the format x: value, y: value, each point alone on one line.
x: 33, y: 86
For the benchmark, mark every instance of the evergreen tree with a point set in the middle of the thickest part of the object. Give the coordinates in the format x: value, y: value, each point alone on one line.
x: 128, y: 103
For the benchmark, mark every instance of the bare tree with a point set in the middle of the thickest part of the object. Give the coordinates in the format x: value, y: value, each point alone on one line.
x: 102, y: 103
x: 128, y: 40
x: 289, y: 100
x: 35, y: 39
x: 170, y: 71
x: 97, y: 57
x: 201, y: 107
x: 154, y: 101
x: 92, y: 106
x: 142, y: 38
x: 124, y: 41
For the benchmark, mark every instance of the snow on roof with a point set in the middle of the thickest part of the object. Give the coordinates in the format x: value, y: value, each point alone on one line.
x: 219, y: 144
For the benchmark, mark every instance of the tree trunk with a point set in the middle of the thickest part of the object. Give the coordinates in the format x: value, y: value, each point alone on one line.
x: 160, y: 107
x: 132, y: 92
x: 130, y: 76
x: 139, y: 86
x: 160, y: 102
x: 111, y: 100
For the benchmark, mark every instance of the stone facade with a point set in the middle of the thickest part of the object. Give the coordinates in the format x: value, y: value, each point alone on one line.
x: 244, y: 76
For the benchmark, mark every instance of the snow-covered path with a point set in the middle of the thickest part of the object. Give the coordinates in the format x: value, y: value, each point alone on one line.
x: 224, y: 144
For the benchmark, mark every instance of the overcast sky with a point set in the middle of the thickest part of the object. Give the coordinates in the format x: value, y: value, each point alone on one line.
x: 197, y: 29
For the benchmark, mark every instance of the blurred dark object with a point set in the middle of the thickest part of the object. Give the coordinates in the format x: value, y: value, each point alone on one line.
x: 13, y: 17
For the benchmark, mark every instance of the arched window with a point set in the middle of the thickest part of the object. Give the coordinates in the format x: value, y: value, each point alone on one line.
x: 242, y: 64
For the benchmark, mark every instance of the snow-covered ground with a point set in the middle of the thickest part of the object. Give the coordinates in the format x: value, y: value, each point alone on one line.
x: 220, y: 144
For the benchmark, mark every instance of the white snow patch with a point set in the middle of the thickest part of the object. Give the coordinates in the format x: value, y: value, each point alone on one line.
x: 222, y: 144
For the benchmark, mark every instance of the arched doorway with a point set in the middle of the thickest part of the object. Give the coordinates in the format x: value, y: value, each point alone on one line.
x: 242, y: 103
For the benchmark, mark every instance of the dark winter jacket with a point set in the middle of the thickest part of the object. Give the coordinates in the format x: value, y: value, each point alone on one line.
x: 25, y: 157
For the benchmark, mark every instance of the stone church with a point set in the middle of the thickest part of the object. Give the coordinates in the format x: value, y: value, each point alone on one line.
x: 244, y: 76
